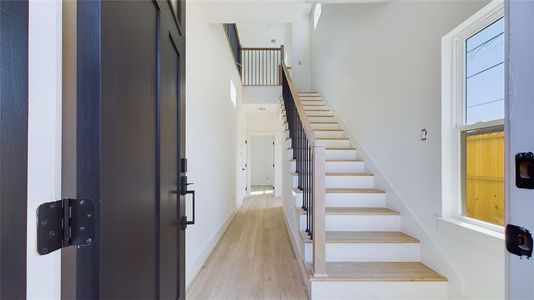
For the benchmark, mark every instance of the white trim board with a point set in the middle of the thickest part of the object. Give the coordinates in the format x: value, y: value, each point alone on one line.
x: 44, y: 140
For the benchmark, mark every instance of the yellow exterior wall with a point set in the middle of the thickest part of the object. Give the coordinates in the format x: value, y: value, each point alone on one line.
x: 485, y: 177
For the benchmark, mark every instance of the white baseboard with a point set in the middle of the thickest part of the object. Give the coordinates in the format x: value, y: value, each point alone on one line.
x: 298, y: 257
x: 203, y: 257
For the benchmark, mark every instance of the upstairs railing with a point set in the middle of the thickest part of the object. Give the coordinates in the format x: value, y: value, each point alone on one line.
x: 234, y: 42
x: 261, y: 66
x: 309, y: 154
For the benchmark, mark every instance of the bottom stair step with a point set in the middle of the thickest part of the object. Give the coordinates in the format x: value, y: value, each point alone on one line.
x: 378, y: 280
x: 378, y: 271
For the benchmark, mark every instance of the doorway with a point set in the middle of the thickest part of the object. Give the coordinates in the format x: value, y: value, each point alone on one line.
x: 262, y: 164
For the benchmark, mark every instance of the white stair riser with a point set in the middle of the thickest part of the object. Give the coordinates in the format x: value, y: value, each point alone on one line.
x: 328, y: 134
x: 345, y: 290
x: 336, y: 143
x: 349, y: 182
x: 358, y: 222
x: 307, y: 104
x: 345, y: 167
x: 328, y: 143
x: 349, y: 200
x: 338, y: 167
x: 321, y: 119
x: 349, y: 154
x: 355, y: 200
x: 318, y: 113
x: 360, y: 252
x: 344, y: 181
x: 315, y: 106
x: 340, y: 154
x: 319, y: 126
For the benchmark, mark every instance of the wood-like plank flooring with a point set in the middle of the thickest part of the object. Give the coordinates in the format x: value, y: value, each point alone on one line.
x: 254, y: 258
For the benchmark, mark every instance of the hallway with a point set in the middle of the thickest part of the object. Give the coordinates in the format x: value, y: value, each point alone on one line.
x: 254, y: 259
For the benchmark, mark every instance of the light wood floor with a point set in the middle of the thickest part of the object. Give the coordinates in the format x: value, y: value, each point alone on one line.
x: 254, y: 258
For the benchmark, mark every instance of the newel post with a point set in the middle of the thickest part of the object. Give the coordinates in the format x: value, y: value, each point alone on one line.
x: 319, y: 194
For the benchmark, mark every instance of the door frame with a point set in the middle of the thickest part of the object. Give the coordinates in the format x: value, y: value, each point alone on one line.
x: 520, y: 137
x: 251, y: 134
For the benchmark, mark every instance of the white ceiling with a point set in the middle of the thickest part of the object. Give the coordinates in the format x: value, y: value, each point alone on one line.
x: 255, y: 11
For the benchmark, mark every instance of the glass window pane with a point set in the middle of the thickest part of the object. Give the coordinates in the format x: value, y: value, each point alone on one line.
x: 484, y: 174
x: 484, y: 78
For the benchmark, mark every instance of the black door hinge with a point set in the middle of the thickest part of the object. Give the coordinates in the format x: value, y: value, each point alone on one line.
x: 63, y: 223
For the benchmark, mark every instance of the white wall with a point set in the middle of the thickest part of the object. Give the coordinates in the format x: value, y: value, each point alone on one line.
x: 260, y: 34
x: 214, y: 132
x: 262, y: 94
x: 262, y: 160
x: 301, y: 65
x: 379, y: 67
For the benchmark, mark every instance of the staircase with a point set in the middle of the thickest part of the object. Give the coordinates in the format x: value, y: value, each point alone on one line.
x: 367, y: 255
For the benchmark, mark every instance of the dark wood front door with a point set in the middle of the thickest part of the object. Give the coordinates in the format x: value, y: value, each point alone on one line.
x: 13, y: 147
x: 131, y: 138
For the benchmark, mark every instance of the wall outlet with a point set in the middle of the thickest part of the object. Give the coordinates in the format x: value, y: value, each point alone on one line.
x: 424, y: 134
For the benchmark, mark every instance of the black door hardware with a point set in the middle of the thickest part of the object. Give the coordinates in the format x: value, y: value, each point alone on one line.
x: 184, y: 191
x: 63, y: 223
x: 183, y: 165
x: 524, y: 170
x: 518, y: 241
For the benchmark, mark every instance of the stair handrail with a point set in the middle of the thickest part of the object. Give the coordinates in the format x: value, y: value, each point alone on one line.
x: 300, y: 108
x: 309, y: 154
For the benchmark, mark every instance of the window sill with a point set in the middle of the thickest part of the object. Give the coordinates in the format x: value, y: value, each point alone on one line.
x: 486, y: 238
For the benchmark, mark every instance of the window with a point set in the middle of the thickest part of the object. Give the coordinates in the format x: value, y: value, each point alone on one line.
x: 316, y: 14
x: 473, y: 118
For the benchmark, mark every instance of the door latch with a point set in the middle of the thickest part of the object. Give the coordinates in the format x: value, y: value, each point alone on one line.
x: 518, y: 241
x: 63, y: 223
x: 524, y: 170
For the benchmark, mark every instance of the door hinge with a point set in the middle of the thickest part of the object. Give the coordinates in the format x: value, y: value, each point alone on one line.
x: 63, y: 223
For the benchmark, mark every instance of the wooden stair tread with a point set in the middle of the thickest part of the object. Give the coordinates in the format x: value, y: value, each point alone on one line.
x: 333, y: 139
x: 348, y: 174
x: 364, y: 237
x: 349, y: 148
x: 348, y: 191
x: 323, y: 122
x: 336, y: 149
x: 356, y: 191
x: 327, y: 129
x: 377, y: 271
x: 337, y: 160
x: 340, y: 174
x: 320, y: 116
x: 344, y: 160
x: 383, y: 211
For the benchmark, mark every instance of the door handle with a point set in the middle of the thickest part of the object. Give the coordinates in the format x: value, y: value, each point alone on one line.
x: 186, y: 222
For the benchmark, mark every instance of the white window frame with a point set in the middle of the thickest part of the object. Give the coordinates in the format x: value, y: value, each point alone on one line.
x: 453, y: 112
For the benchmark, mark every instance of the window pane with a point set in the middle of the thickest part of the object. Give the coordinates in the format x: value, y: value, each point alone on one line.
x: 484, y: 174
x: 484, y: 78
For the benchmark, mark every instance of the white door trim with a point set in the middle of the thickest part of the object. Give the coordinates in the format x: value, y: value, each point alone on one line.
x: 44, y: 139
